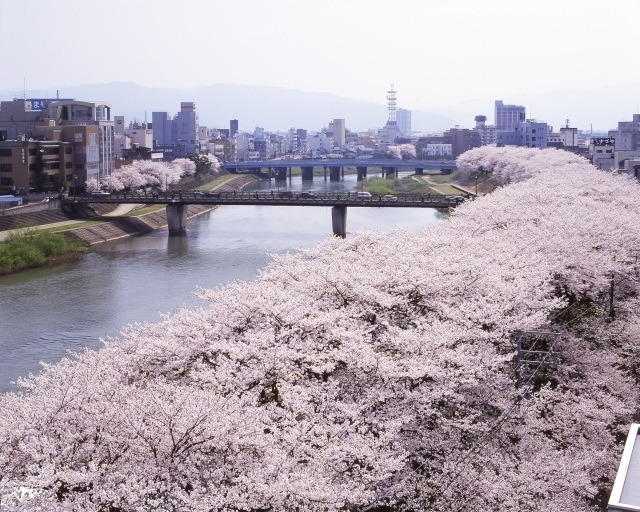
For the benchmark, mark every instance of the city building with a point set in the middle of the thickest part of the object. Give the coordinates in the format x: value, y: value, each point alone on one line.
x: 569, y: 135
x: 339, y: 132
x: 530, y: 134
x: 487, y: 133
x: 30, y: 165
x: 320, y: 143
x: 65, y: 120
x: 233, y: 127
x: 176, y: 137
x: 438, y: 150
x: 507, y: 116
x: 627, y: 136
x: 403, y: 119
x: 462, y: 139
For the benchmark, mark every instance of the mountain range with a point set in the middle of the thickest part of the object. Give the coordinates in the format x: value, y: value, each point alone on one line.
x: 277, y: 108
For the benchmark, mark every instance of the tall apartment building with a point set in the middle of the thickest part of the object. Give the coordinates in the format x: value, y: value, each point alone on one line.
x: 176, y: 137
x: 186, y: 130
x: 507, y: 116
x: 233, y: 127
x: 339, y: 132
x: 403, y: 118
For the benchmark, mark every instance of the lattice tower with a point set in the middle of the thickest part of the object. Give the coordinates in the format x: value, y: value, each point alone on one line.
x: 392, y: 104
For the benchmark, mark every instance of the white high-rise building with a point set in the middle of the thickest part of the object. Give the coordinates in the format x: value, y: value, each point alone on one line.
x: 339, y: 132
x: 403, y: 118
x: 507, y: 116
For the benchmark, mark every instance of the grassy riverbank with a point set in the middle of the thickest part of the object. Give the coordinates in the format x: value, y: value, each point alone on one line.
x: 35, y: 248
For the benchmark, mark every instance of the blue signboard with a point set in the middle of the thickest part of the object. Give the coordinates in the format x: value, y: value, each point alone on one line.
x: 42, y: 103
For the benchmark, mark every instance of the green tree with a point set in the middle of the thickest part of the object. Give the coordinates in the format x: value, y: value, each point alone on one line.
x: 203, y: 165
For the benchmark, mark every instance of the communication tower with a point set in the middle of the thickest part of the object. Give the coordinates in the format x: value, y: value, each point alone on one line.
x: 391, y: 105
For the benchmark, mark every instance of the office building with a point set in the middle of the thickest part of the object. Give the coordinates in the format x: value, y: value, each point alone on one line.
x: 507, y: 116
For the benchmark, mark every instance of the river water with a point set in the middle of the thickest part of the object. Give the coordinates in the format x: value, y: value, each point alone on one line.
x: 46, y: 312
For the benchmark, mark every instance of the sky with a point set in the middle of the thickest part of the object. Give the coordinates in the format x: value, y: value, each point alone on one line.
x: 437, y: 53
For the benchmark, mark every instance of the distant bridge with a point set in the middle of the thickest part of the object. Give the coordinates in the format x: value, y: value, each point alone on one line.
x: 176, y: 202
x: 334, y: 167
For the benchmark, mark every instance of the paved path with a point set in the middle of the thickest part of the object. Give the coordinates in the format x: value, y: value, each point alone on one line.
x: 121, y: 209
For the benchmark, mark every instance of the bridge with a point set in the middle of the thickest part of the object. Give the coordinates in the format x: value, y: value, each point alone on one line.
x: 176, y: 202
x: 334, y: 167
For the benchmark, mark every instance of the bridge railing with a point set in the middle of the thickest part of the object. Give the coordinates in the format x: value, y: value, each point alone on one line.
x: 285, y: 195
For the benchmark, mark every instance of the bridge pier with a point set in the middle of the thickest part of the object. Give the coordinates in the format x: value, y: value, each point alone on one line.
x: 389, y: 172
x: 325, y: 173
x: 339, y: 221
x: 419, y: 171
x: 307, y: 173
x: 362, y: 173
x: 282, y: 174
x: 176, y: 218
x: 334, y: 173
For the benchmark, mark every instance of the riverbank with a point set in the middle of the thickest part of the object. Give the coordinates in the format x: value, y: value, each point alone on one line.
x: 30, y: 249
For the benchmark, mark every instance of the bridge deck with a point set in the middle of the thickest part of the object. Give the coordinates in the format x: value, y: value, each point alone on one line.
x: 276, y: 199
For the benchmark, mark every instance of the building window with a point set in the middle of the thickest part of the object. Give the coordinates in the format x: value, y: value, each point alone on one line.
x: 6, y: 181
x: 68, y: 165
x: 5, y: 152
x: 33, y: 151
x: 6, y: 167
x: 67, y: 151
x: 69, y: 177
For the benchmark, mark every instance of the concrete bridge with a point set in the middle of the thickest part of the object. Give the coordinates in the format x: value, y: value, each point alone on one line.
x: 334, y: 167
x: 176, y: 202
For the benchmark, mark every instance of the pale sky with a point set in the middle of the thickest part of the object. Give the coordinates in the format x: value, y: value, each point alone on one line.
x: 437, y: 53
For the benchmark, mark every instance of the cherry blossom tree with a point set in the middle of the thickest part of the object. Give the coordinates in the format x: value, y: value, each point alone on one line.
x: 149, y: 173
x: 92, y: 184
x: 402, y: 151
x: 342, y: 379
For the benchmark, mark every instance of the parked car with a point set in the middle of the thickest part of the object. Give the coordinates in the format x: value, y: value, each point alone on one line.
x: 286, y: 193
x: 389, y: 197
x: 100, y: 193
x: 211, y: 194
x: 307, y: 194
x: 363, y: 195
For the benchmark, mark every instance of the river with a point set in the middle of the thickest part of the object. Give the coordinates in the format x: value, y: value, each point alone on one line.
x: 46, y: 312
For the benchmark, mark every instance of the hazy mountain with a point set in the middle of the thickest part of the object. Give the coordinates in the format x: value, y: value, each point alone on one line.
x: 273, y: 108
x: 601, y: 108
